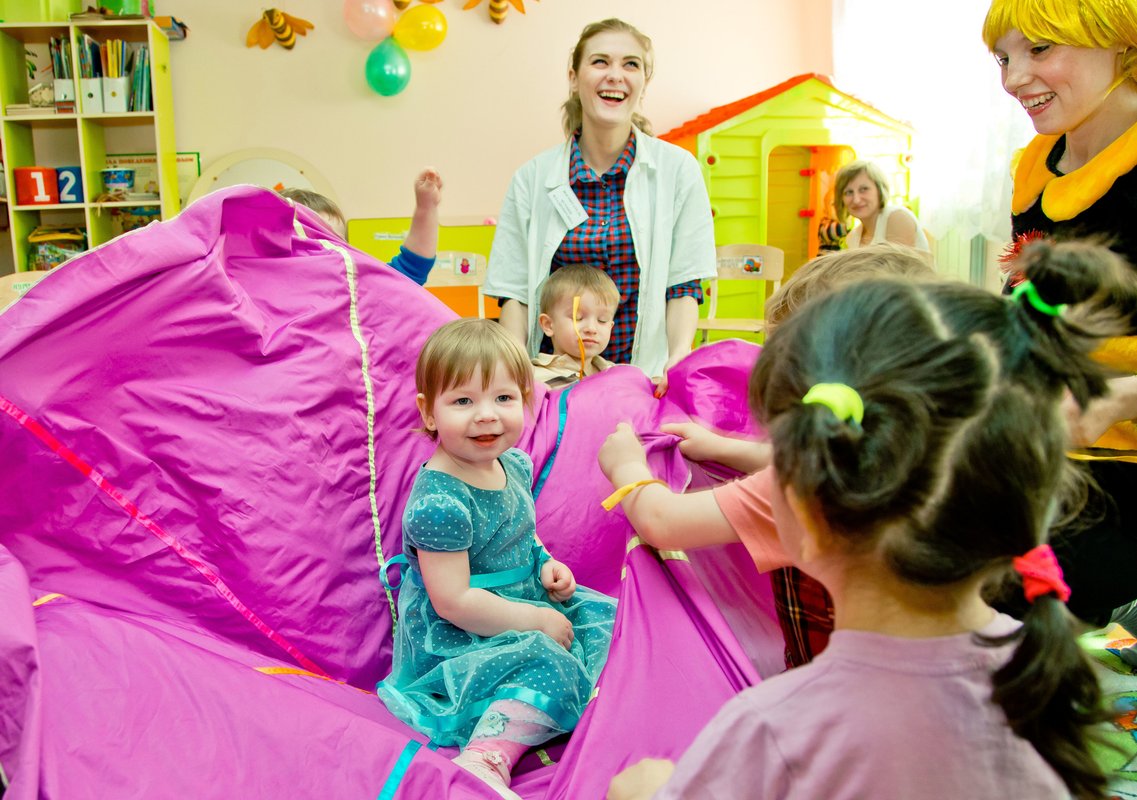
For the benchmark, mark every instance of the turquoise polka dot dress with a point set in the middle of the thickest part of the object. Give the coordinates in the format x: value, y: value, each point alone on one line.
x: 443, y: 678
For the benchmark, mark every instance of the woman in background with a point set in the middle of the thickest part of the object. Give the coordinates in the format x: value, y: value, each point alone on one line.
x: 862, y: 193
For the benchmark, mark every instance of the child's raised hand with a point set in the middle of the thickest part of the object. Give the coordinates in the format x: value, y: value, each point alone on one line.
x: 556, y: 625
x: 558, y: 581
x: 620, y: 449
x: 428, y: 188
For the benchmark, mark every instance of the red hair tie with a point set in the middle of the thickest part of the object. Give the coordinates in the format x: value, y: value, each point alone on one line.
x: 1041, y: 574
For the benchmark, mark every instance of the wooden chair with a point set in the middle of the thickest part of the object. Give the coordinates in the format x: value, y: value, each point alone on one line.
x: 456, y: 268
x: 14, y: 285
x: 742, y: 262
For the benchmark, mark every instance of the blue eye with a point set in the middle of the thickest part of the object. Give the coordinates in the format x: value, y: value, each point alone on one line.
x: 463, y: 401
x: 505, y: 398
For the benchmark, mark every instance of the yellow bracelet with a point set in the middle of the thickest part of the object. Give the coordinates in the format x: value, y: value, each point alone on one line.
x: 614, y: 499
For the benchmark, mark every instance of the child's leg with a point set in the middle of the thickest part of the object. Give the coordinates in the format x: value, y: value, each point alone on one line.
x: 505, y: 732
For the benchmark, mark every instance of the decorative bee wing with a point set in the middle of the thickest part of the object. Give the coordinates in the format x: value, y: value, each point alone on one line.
x: 299, y: 26
x: 260, y: 34
x: 470, y: 4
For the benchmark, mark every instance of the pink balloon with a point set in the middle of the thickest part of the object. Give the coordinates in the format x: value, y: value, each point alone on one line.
x: 369, y: 19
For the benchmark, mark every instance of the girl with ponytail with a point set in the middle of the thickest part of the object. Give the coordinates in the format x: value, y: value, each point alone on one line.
x: 918, y: 458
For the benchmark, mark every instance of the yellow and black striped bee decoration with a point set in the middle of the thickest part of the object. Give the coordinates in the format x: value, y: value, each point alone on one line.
x: 402, y: 5
x: 497, y: 8
x: 275, y: 25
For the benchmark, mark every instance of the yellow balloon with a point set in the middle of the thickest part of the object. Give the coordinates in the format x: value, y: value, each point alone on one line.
x: 420, y: 28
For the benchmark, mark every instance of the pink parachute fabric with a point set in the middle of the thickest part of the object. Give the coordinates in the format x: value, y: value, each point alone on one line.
x: 207, y: 429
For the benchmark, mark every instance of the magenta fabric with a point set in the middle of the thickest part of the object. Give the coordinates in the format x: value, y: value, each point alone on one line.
x: 206, y: 426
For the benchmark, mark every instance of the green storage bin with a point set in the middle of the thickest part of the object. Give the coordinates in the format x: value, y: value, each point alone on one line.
x: 41, y: 10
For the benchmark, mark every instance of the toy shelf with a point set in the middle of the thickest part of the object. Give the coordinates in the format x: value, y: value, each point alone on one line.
x: 83, y: 139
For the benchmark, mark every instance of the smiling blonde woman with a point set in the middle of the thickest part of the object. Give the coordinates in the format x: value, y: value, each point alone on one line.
x: 615, y: 197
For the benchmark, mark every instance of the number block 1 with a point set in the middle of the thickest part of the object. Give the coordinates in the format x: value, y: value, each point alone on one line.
x: 36, y: 186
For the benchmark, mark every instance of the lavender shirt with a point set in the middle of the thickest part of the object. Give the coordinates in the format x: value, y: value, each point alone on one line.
x: 873, y: 716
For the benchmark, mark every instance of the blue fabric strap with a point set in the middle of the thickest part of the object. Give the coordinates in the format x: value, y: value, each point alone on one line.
x: 490, y: 580
x: 395, y: 561
x: 399, y: 771
x: 482, y: 580
x: 562, y: 417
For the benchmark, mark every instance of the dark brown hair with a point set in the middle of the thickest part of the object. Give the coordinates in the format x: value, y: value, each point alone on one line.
x: 959, y: 462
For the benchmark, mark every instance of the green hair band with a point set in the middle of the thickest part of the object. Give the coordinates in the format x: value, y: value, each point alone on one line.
x: 842, y: 400
x: 1027, y: 288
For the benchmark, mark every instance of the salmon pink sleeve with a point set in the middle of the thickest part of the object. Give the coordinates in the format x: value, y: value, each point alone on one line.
x: 746, y: 505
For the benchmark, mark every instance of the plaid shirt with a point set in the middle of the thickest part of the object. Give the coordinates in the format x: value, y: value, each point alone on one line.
x: 604, y: 241
x: 805, y: 614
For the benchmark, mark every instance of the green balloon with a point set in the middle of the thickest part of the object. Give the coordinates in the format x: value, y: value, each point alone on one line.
x: 388, y: 69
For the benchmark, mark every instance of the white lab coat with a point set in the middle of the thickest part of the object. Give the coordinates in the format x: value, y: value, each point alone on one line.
x: 666, y: 202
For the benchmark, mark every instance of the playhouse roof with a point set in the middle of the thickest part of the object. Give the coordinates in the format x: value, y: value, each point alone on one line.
x: 723, y: 113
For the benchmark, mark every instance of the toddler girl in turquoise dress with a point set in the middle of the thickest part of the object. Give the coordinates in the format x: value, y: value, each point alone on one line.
x: 497, y: 649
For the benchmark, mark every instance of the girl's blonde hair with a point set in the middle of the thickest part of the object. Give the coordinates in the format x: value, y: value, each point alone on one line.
x: 825, y: 273
x: 845, y: 176
x: 455, y: 350
x: 1081, y: 23
x: 571, y: 113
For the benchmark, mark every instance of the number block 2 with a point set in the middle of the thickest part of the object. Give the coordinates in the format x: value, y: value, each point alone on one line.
x: 70, y: 184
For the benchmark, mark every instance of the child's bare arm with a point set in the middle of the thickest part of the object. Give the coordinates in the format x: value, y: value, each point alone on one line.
x: 702, y: 444
x: 1120, y: 404
x: 422, y: 238
x: 663, y: 519
x: 447, y: 580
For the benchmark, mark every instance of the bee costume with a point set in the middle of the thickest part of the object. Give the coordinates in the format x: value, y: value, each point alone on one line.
x: 1097, y: 199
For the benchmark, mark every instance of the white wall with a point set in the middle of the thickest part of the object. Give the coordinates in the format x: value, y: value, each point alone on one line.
x: 476, y: 107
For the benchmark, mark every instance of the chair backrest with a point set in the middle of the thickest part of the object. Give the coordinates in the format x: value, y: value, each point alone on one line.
x: 460, y: 268
x: 748, y: 262
x: 14, y: 285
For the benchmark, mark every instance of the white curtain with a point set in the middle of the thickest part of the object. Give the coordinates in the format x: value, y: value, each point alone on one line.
x: 925, y: 63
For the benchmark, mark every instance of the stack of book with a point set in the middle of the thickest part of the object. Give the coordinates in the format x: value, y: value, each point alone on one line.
x: 140, y: 99
x: 23, y: 109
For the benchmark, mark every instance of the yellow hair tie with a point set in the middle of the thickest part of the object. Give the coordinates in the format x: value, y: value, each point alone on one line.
x: 614, y: 499
x: 842, y: 400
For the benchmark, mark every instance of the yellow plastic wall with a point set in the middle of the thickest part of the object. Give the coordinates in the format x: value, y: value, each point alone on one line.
x: 381, y: 238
